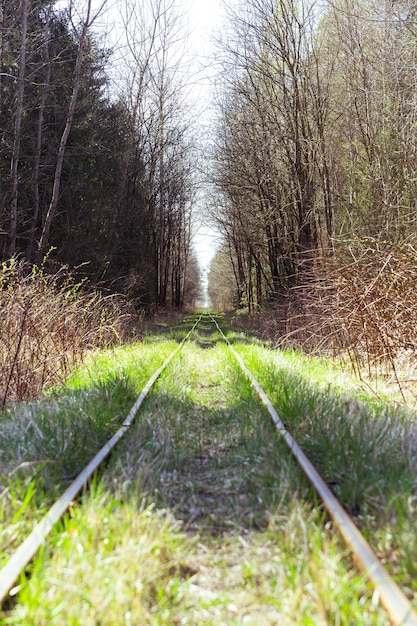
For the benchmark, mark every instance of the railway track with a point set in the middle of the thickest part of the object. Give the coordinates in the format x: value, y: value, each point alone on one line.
x: 386, y: 590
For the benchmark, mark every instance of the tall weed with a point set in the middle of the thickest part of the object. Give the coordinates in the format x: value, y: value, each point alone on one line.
x: 47, y: 323
x: 360, y: 305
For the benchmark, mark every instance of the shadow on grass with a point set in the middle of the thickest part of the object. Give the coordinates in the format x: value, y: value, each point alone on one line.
x: 224, y: 463
x: 51, y: 441
x: 216, y: 465
x: 222, y: 458
x: 206, y: 334
x: 216, y: 468
x: 219, y: 466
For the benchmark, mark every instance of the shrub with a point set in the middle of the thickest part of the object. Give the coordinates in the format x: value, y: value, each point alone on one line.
x: 47, y: 323
x: 363, y: 303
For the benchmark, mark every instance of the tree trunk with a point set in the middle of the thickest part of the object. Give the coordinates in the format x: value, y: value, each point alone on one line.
x: 39, y: 132
x: 64, y: 138
x: 18, y: 132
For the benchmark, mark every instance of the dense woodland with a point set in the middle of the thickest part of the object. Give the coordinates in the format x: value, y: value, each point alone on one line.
x: 313, y: 157
x: 97, y: 174
x: 316, y: 145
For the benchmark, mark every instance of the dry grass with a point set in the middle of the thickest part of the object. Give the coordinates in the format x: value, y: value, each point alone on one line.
x: 360, y: 306
x: 47, y: 323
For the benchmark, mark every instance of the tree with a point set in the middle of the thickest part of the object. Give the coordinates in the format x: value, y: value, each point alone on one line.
x: 82, y: 36
x: 272, y: 156
x: 315, y: 137
x: 221, y: 277
x: 46, y: 69
x: 374, y: 51
x: 160, y: 139
x: 18, y: 127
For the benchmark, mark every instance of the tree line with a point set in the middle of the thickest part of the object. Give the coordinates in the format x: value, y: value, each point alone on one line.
x: 96, y: 166
x: 316, y: 142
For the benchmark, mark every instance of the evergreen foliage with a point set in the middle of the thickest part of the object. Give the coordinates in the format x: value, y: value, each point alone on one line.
x: 106, y: 216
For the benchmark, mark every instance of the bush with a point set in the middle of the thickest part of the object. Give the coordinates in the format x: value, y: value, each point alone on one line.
x: 47, y: 324
x: 363, y: 303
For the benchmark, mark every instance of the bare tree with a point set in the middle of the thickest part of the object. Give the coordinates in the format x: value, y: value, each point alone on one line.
x: 18, y: 128
x: 155, y: 94
x: 373, y: 102
x: 47, y: 70
x: 273, y: 155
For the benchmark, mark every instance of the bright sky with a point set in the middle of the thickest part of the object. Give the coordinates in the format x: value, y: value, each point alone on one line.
x: 205, y: 15
x: 205, y: 21
x: 205, y: 18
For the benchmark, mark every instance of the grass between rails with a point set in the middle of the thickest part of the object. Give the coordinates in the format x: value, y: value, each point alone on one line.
x: 202, y: 516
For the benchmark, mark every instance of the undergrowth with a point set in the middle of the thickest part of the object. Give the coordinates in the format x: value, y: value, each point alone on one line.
x: 48, y: 322
x: 359, y: 305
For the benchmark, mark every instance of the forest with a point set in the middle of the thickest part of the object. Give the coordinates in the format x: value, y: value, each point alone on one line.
x: 309, y: 173
x: 315, y: 172
x: 96, y: 173
x: 316, y: 137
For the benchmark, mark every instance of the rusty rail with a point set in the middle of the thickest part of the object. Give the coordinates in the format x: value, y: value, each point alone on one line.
x: 27, y: 550
x: 390, y: 595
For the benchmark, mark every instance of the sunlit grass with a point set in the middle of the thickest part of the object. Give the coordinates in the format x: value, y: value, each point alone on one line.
x: 45, y: 444
x: 363, y: 448
x: 201, y: 516
x: 137, y: 362
x: 120, y: 562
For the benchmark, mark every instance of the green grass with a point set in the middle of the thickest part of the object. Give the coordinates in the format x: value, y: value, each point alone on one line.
x: 364, y: 448
x: 201, y: 515
x: 47, y: 443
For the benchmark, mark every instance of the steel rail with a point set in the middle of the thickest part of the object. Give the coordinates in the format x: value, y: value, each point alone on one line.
x: 390, y: 595
x: 29, y: 547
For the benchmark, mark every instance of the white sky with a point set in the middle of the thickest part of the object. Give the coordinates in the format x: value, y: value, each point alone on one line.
x: 205, y: 18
